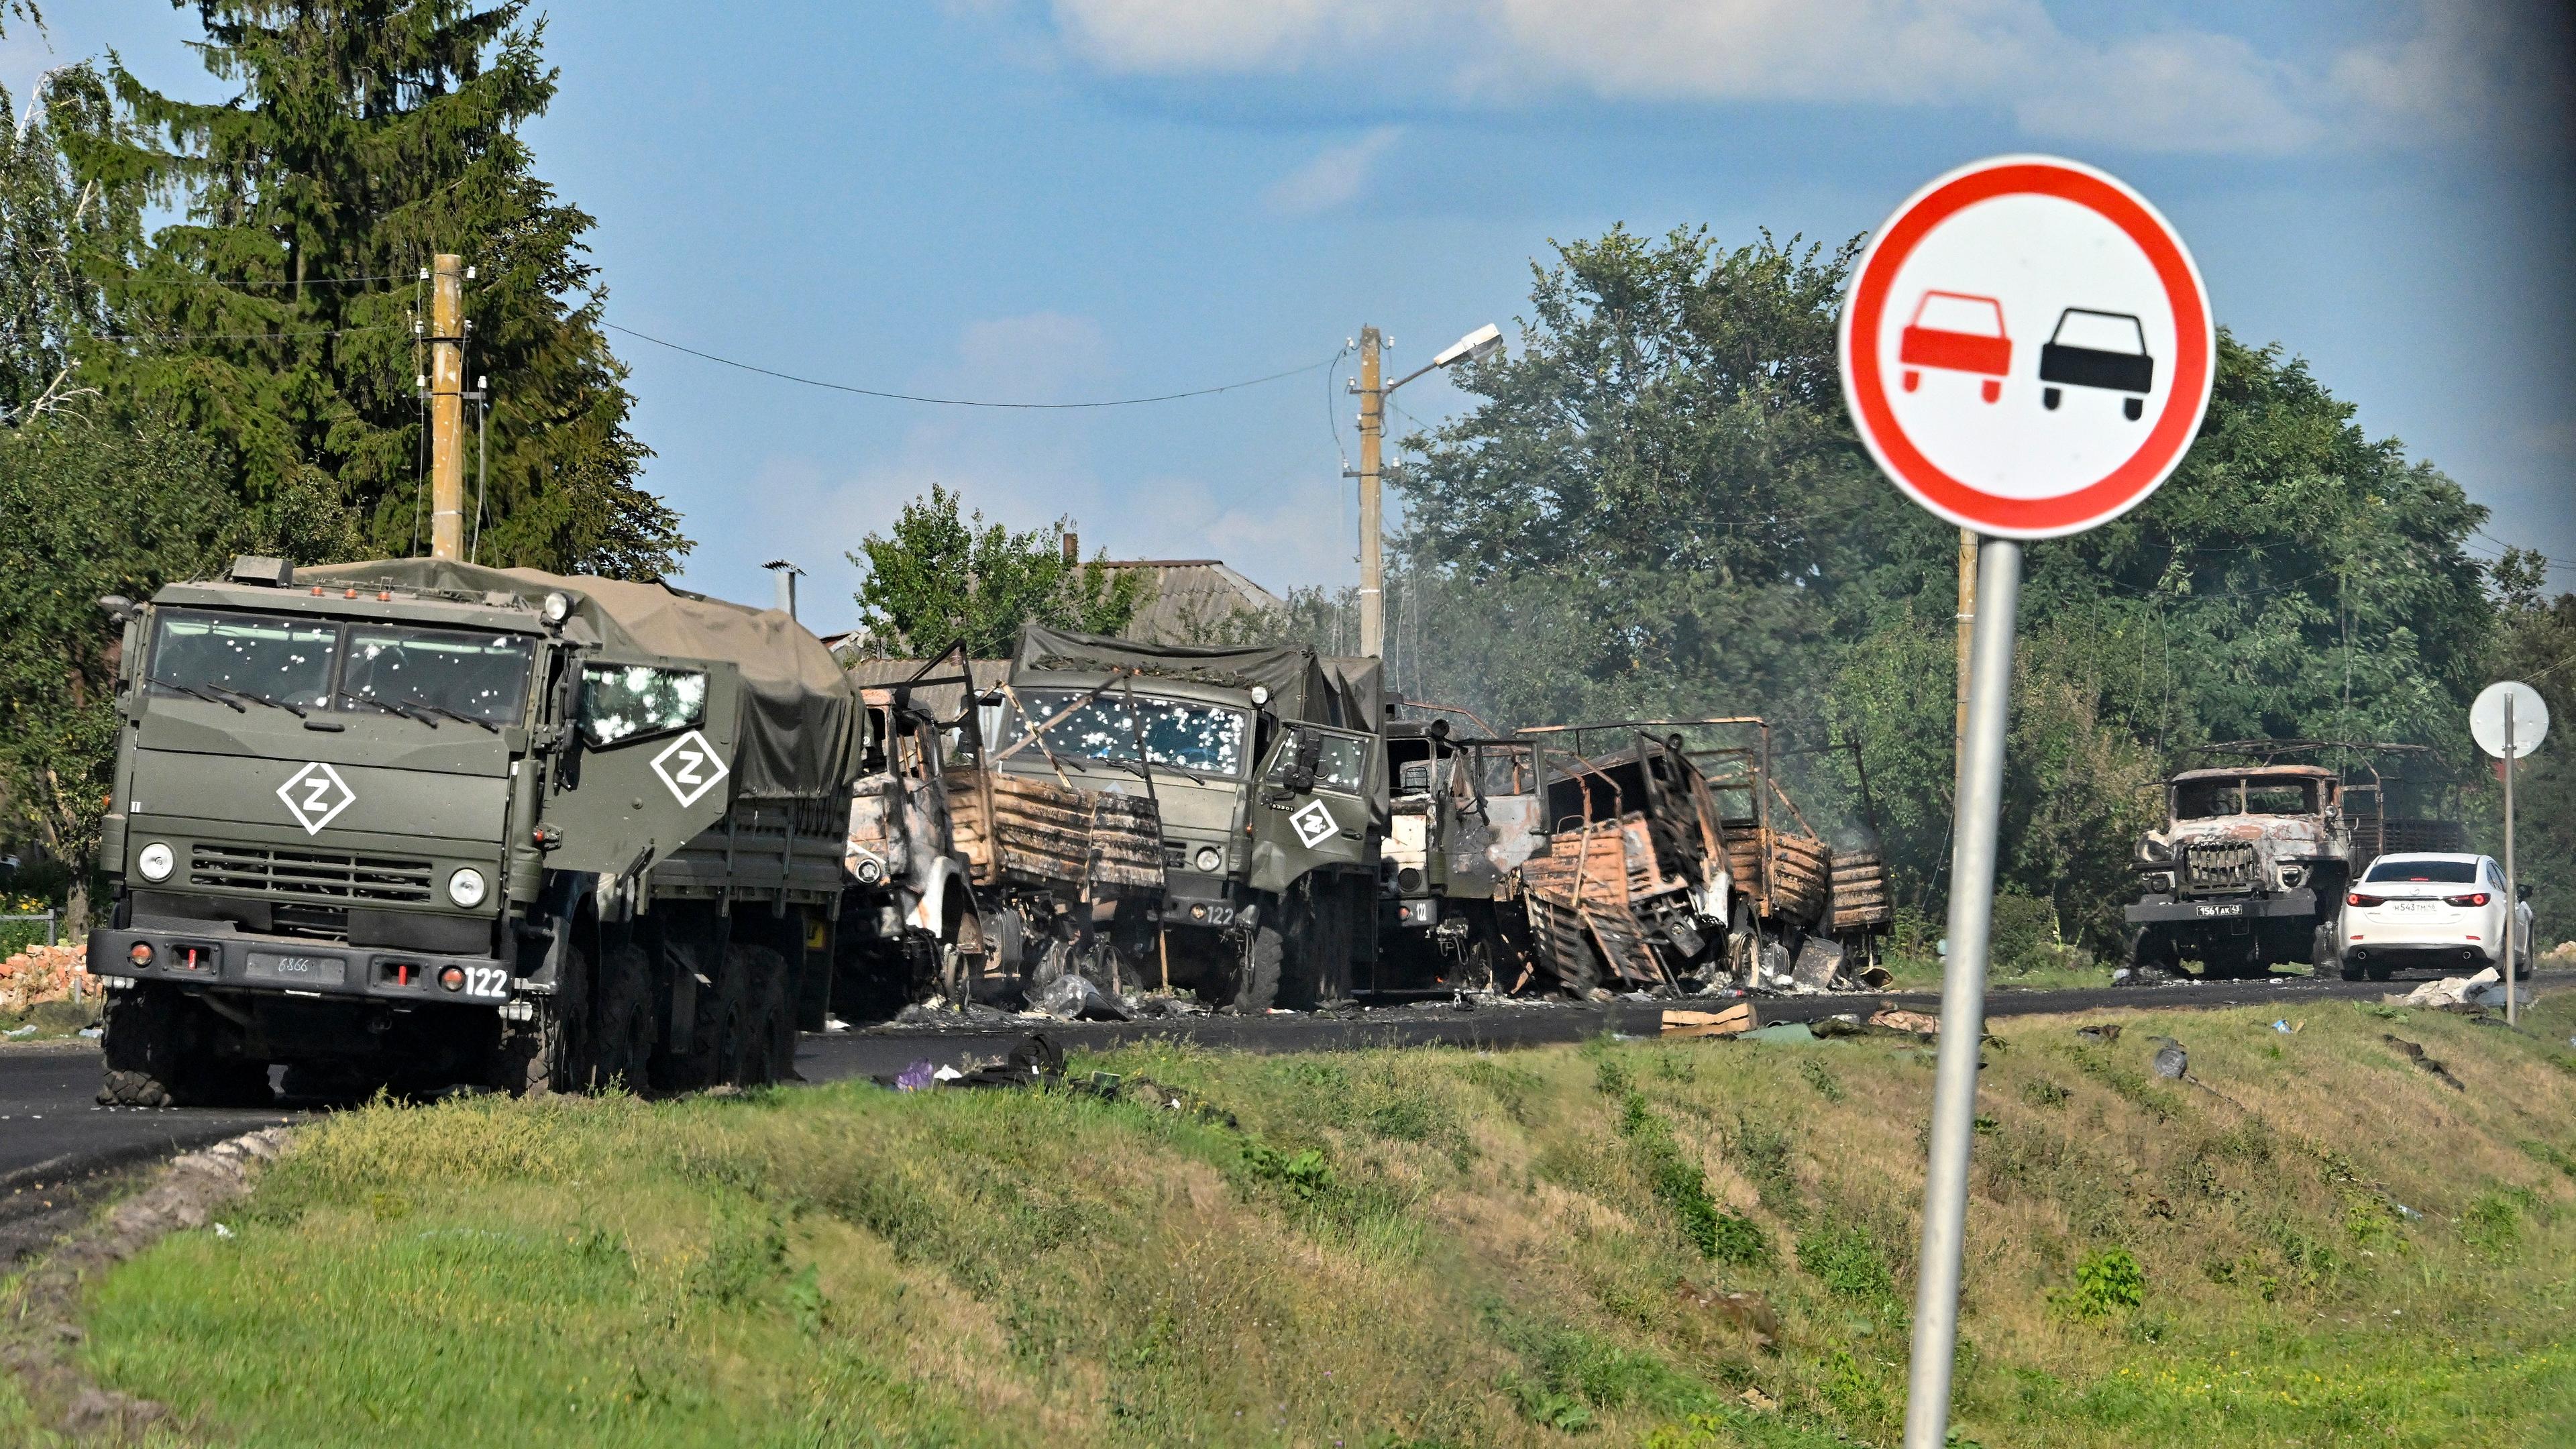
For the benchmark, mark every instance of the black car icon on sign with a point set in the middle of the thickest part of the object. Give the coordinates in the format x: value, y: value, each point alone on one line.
x: 2107, y: 350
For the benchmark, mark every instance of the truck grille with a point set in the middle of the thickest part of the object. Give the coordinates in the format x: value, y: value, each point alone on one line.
x: 1176, y: 854
x: 309, y: 874
x: 2219, y: 866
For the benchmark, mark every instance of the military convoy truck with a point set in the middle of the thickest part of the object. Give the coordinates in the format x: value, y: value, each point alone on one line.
x: 1266, y: 771
x: 417, y: 822
x: 975, y: 885
x: 1463, y: 819
x: 2250, y: 866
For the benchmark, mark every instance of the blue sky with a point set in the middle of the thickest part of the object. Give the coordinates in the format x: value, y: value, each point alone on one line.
x: 1057, y: 200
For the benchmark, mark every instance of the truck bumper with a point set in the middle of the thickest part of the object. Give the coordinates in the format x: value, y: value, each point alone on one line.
x: 1409, y: 913
x: 2299, y: 904
x: 296, y: 966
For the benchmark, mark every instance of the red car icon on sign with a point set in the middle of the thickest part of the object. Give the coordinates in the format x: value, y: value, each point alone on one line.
x: 1955, y: 332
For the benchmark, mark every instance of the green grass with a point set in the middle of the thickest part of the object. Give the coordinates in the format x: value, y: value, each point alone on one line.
x: 2322, y: 1245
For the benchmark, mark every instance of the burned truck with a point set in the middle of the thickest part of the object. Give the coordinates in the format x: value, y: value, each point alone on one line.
x: 1265, y: 769
x: 1666, y: 864
x: 2251, y: 864
x: 417, y: 822
x: 1463, y: 818
x: 971, y: 884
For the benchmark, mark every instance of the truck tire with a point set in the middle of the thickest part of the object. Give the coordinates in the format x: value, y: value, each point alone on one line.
x: 154, y: 1057
x: 621, y: 1027
x: 768, y: 1052
x: 1265, y: 950
x: 2324, y: 957
x: 716, y: 1046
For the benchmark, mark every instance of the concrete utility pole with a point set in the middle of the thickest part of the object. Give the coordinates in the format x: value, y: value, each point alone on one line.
x: 1967, y: 632
x: 447, y: 407
x: 1476, y: 346
x: 1372, y: 545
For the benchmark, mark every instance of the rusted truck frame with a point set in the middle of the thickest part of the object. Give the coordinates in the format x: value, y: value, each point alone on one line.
x: 979, y: 885
x: 1665, y: 861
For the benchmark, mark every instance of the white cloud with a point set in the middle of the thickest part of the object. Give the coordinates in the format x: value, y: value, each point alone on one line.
x: 1332, y: 179
x: 2472, y: 67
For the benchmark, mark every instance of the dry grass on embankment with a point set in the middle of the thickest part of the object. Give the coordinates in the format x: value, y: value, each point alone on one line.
x: 1419, y: 1247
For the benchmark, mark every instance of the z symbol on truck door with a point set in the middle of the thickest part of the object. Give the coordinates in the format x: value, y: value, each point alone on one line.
x: 688, y: 765
x: 315, y: 796
x: 1314, y: 823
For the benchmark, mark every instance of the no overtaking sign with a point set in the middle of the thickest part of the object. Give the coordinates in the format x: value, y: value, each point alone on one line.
x: 2027, y: 349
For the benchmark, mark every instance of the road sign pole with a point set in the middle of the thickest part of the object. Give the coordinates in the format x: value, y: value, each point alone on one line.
x: 1963, y: 995
x: 2512, y: 905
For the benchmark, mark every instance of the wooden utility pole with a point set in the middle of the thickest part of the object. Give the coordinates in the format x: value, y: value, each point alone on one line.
x: 1967, y: 629
x: 447, y: 407
x: 1372, y: 554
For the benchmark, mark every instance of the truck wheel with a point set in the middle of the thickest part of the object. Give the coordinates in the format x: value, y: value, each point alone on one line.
x: 768, y: 1051
x: 716, y: 1046
x: 153, y: 1058
x: 1256, y: 985
x: 2323, y: 956
x: 622, y: 1020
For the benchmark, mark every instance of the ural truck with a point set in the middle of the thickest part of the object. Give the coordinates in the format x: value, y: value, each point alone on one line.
x: 416, y: 822
x: 1664, y: 862
x: 1464, y: 817
x: 2252, y: 861
x: 970, y: 883
x: 1265, y: 767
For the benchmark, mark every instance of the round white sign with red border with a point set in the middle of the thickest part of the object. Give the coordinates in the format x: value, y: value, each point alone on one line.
x: 2027, y: 348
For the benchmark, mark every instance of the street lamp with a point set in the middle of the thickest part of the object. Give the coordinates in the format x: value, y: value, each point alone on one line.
x: 1476, y: 346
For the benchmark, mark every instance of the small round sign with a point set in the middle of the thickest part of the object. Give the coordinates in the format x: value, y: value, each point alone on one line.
x: 2027, y: 348
x: 2530, y: 718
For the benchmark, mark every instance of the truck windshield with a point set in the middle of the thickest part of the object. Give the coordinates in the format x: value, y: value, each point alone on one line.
x: 2207, y: 799
x: 323, y: 664
x: 480, y: 676
x: 1207, y: 738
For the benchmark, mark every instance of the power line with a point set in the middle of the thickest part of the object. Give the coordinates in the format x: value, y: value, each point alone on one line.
x: 954, y: 402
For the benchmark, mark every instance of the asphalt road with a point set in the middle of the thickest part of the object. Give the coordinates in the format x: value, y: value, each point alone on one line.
x: 58, y: 1146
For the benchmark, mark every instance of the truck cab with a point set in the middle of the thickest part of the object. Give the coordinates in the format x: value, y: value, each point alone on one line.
x: 2245, y: 872
x: 1265, y: 768
x: 1463, y: 817
x: 410, y: 823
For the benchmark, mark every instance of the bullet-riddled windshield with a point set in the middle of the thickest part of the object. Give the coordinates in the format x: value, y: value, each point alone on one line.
x: 1207, y: 738
x: 426, y: 675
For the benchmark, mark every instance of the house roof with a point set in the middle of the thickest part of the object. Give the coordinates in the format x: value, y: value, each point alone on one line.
x: 1199, y: 601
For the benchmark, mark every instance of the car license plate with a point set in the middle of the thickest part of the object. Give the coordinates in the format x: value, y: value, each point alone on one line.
x: 2412, y: 908
x: 2232, y: 908
x: 302, y: 970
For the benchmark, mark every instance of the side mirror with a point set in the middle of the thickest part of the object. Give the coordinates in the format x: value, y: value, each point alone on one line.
x: 1310, y: 752
x: 2522, y: 892
x: 117, y: 607
x: 1302, y: 779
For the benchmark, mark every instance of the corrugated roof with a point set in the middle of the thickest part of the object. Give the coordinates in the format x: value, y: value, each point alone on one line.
x: 1200, y: 601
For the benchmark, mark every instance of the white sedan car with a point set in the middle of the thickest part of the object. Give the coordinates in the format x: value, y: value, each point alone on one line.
x: 2445, y: 911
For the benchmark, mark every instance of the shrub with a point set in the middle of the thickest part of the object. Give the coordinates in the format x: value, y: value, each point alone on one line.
x: 2108, y: 1281
x: 1846, y: 1262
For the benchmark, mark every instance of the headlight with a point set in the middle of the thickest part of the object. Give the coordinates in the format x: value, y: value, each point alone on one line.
x: 557, y: 608
x: 466, y: 887
x: 1209, y: 858
x: 1260, y: 694
x: 870, y: 872
x: 155, y: 861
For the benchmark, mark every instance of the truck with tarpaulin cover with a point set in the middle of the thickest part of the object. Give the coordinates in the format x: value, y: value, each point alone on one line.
x: 969, y: 883
x: 1266, y: 770
x: 418, y: 822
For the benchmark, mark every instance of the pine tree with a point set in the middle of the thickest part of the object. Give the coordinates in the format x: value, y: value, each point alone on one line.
x: 282, y: 316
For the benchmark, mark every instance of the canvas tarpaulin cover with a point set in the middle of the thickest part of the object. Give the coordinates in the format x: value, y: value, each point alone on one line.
x: 1303, y: 685
x: 800, y: 713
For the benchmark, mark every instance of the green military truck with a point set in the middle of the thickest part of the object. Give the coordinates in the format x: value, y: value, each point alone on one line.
x: 1463, y: 819
x: 1267, y: 775
x: 419, y: 822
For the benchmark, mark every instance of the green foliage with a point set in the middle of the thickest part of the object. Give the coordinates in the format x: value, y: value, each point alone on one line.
x: 88, y: 507
x: 2107, y: 1281
x: 278, y: 318
x: 936, y: 578
x: 2493, y: 1224
x: 1846, y: 1262
x: 2539, y: 647
x: 1305, y: 1174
